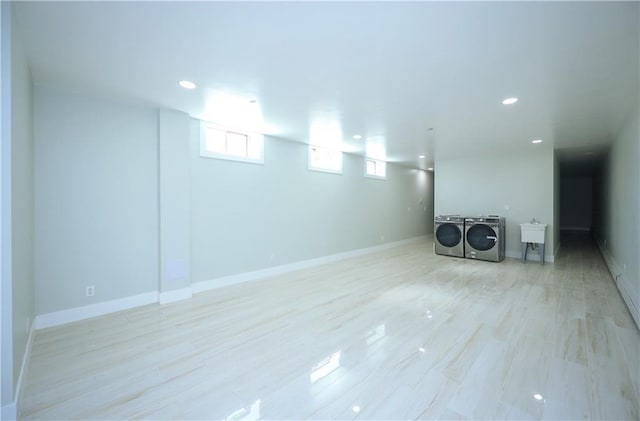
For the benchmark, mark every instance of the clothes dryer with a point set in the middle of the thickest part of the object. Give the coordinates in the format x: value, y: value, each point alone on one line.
x: 484, y: 238
x: 449, y: 235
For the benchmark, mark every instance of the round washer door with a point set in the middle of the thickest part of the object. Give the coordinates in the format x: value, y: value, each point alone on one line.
x: 481, y: 237
x: 448, y: 235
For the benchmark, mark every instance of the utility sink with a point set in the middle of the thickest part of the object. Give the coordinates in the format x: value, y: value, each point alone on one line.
x: 532, y: 233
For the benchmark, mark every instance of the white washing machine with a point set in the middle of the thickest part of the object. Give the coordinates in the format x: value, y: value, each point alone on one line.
x: 484, y: 238
x: 448, y: 237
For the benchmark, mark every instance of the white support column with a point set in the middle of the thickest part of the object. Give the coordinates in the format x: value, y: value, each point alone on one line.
x: 7, y: 396
x: 175, y: 206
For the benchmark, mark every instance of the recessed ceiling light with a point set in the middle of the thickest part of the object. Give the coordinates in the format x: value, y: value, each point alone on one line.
x: 357, y: 136
x: 509, y: 101
x: 538, y: 397
x: 421, y: 156
x: 355, y: 408
x: 430, y: 169
x: 187, y: 84
x: 537, y: 141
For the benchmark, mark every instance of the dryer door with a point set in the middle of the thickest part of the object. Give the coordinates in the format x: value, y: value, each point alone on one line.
x: 448, y: 235
x: 481, y: 237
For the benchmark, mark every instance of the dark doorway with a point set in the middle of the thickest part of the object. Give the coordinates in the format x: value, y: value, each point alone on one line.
x: 581, y: 195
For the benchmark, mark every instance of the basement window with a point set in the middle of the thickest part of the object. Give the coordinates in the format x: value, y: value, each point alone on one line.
x: 219, y: 142
x: 326, y: 160
x: 375, y: 169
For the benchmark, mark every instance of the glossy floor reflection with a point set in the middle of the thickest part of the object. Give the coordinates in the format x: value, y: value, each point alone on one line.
x: 401, y: 334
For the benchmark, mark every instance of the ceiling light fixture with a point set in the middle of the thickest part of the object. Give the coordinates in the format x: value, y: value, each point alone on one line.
x: 187, y: 84
x: 357, y: 136
x: 430, y: 169
x: 421, y: 157
x: 537, y: 141
x: 509, y: 101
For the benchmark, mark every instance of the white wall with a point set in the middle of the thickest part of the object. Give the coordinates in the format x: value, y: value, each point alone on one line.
x: 622, y: 213
x: 556, y: 203
x: 96, y: 193
x: 7, y: 406
x: 99, y: 171
x: 488, y: 184
x: 247, y: 217
x: 22, y: 202
x: 17, y: 283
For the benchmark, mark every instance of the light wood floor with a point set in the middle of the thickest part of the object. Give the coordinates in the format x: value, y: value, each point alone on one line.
x: 400, y: 334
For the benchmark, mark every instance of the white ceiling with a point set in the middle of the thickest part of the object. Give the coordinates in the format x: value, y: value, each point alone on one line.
x: 387, y: 71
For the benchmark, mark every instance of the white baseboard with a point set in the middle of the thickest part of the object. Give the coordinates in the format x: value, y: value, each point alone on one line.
x: 628, y: 300
x: 290, y: 267
x: 174, y: 295
x: 618, y: 277
x: 61, y: 317
x: 93, y: 310
x: 9, y: 412
x: 24, y: 369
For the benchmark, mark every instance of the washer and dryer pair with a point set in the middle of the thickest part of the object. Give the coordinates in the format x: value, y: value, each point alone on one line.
x: 479, y: 238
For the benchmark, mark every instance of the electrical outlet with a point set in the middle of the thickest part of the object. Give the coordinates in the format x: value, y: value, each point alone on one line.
x: 91, y: 290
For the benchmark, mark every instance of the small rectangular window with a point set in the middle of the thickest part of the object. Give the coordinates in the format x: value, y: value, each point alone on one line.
x: 374, y: 168
x: 238, y: 144
x: 323, y: 159
x: 218, y: 142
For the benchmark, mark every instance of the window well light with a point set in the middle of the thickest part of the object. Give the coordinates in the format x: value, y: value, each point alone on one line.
x: 187, y: 84
x: 509, y: 101
x: 537, y: 141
